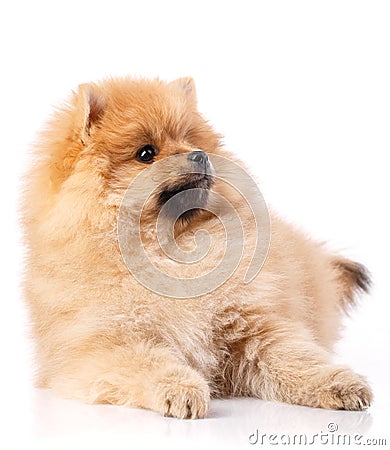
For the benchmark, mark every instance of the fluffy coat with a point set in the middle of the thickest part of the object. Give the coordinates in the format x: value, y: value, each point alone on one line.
x: 102, y: 337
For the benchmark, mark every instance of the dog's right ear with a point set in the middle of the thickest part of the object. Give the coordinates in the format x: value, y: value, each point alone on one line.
x: 72, y: 129
x: 90, y: 105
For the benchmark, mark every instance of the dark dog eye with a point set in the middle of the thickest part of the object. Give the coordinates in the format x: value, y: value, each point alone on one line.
x: 146, y: 154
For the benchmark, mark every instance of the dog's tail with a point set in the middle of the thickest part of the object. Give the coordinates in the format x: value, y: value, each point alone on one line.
x: 354, y: 278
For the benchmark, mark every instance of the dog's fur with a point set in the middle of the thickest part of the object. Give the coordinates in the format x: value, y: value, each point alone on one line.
x: 102, y: 337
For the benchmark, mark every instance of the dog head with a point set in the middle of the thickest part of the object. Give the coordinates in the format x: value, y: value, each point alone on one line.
x: 116, y: 130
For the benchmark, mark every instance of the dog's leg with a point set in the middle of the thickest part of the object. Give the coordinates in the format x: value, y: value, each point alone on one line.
x: 137, y: 376
x: 283, y: 362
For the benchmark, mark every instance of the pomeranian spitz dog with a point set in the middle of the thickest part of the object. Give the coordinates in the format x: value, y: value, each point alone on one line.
x: 102, y: 334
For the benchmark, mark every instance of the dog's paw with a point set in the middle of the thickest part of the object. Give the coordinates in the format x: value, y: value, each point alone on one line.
x: 184, y: 395
x: 185, y: 402
x: 344, y: 389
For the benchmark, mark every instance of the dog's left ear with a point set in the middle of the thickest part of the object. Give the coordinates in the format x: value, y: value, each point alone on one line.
x: 91, y: 104
x: 185, y: 86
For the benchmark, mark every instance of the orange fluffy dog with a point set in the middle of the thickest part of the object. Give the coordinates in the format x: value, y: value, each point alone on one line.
x: 102, y: 335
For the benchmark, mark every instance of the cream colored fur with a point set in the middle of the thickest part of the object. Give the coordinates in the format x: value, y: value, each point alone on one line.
x: 101, y: 337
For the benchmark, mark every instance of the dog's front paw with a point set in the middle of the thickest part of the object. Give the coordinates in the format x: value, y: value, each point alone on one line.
x: 344, y: 389
x: 185, y: 402
x: 183, y: 394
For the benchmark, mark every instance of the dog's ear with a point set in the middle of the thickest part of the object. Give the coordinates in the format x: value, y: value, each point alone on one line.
x: 90, y: 104
x: 185, y: 86
x: 71, y: 131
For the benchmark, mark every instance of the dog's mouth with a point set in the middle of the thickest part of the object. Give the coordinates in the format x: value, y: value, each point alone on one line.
x: 184, y: 199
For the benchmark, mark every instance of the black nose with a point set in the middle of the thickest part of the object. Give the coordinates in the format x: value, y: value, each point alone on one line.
x: 198, y: 156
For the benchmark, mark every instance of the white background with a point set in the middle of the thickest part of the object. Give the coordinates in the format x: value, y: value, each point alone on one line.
x: 301, y: 91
